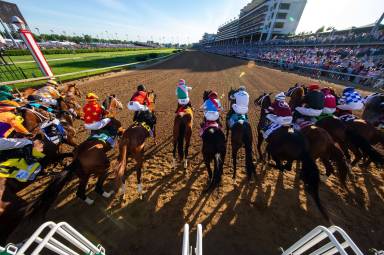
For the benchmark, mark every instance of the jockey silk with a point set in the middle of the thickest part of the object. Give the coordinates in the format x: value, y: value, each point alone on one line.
x: 93, y: 112
x: 141, y: 97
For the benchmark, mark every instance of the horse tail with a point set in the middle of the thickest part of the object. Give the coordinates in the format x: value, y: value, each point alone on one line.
x: 180, y: 138
x: 361, y: 143
x: 121, y: 167
x: 41, y: 206
x: 218, y: 169
x: 342, y: 167
x: 311, y: 177
x: 247, y: 140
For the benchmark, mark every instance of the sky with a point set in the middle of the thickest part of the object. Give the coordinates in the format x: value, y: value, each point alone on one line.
x: 181, y: 21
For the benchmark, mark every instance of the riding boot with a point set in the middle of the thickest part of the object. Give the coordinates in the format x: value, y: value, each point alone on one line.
x: 135, y: 116
x: 29, y: 158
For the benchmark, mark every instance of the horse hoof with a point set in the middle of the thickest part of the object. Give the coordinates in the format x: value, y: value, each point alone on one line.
x: 107, y: 194
x: 89, y: 201
x: 323, y: 178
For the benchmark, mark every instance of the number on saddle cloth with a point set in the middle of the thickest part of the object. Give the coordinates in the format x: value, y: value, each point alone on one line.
x: 347, y: 117
x: 237, y: 118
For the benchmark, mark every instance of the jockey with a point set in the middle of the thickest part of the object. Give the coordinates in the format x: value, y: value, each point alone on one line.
x: 279, y: 112
x: 242, y: 100
x: 10, y: 123
x: 94, y: 113
x: 139, y: 101
x: 49, y: 93
x: 212, y: 108
x: 182, y: 95
x: 350, y: 100
x: 329, y: 101
x: 6, y: 93
x: 313, y: 102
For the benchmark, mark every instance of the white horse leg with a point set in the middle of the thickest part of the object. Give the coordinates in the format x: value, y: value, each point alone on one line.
x: 107, y: 194
x: 89, y: 201
x: 185, y: 163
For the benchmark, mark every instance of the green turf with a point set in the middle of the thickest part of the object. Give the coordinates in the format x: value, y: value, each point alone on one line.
x: 85, y: 61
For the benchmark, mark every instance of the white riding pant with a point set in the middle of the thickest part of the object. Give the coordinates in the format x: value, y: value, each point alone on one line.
x: 287, y: 120
x: 13, y: 143
x: 328, y: 110
x: 309, y: 111
x: 240, y: 109
x: 136, y: 106
x: 183, y: 101
x: 351, y: 106
x: 98, y: 124
x: 211, y: 115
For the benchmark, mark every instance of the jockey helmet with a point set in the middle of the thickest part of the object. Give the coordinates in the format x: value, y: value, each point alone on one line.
x: 91, y: 97
x: 6, y: 88
x: 213, y: 95
x: 52, y: 82
x: 280, y: 96
x: 313, y: 86
x: 181, y: 82
x: 242, y: 88
x: 141, y: 87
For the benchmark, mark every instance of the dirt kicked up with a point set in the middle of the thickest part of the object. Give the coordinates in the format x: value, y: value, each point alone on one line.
x: 255, y: 218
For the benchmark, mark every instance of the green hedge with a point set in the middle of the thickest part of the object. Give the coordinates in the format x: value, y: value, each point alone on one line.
x: 71, y: 51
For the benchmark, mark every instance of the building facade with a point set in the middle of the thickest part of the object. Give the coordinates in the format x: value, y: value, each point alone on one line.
x: 262, y: 20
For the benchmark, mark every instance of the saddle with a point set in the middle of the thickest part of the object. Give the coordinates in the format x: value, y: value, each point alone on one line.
x: 17, y: 168
x: 144, y: 125
x: 182, y: 110
x: 104, y: 137
x: 270, y: 129
x: 207, y: 125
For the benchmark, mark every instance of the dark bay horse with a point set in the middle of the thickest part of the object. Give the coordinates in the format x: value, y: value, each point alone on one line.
x: 241, y: 135
x: 182, y: 131
x: 284, y: 144
x: 90, y: 159
x: 352, y: 136
x: 213, y: 150
x: 374, y: 109
x: 132, y: 144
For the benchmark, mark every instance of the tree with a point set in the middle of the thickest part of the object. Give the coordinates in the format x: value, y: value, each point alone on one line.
x: 330, y: 28
x: 321, y: 29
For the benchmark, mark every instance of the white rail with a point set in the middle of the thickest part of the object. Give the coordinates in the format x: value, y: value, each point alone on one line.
x: 318, y: 235
x: 187, y: 248
x: 79, y: 244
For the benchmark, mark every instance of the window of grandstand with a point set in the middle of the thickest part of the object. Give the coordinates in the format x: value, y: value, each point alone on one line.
x: 284, y: 6
x: 279, y: 25
x: 281, y: 15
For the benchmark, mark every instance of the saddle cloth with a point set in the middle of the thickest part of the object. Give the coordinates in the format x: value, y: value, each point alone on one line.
x: 18, y: 169
x: 237, y: 118
x: 207, y: 125
x: 348, y: 117
x: 182, y: 111
x: 270, y: 129
x: 54, y: 131
x: 103, y: 137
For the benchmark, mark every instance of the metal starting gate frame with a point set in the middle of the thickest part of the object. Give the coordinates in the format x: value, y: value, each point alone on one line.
x: 319, y: 234
x: 82, y: 245
x: 187, y: 248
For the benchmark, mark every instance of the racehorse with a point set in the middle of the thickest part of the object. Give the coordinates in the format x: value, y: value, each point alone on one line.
x: 182, y: 130
x: 113, y: 105
x: 284, y: 144
x: 348, y: 135
x: 90, y: 159
x: 214, y: 149
x: 241, y: 135
x: 374, y: 110
x: 132, y: 144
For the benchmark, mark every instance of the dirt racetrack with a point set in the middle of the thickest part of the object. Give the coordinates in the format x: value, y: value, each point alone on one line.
x: 255, y: 218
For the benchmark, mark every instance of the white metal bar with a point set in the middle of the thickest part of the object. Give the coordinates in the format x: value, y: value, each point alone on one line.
x: 323, y: 249
x: 304, y: 239
x: 58, y: 247
x: 199, y: 240
x: 85, y: 241
x: 348, y: 239
x: 334, y: 249
x: 35, y: 235
x: 185, y: 249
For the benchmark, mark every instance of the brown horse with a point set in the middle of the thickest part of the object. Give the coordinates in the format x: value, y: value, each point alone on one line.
x: 182, y: 130
x: 90, y: 159
x: 374, y: 110
x: 284, y: 144
x: 344, y: 134
x: 241, y: 135
x: 132, y: 144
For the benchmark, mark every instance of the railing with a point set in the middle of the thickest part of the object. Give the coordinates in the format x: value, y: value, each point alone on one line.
x: 79, y: 244
x: 187, y: 249
x: 102, y: 69
x: 317, y: 236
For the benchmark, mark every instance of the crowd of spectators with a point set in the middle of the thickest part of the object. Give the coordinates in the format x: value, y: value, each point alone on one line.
x: 359, y: 64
